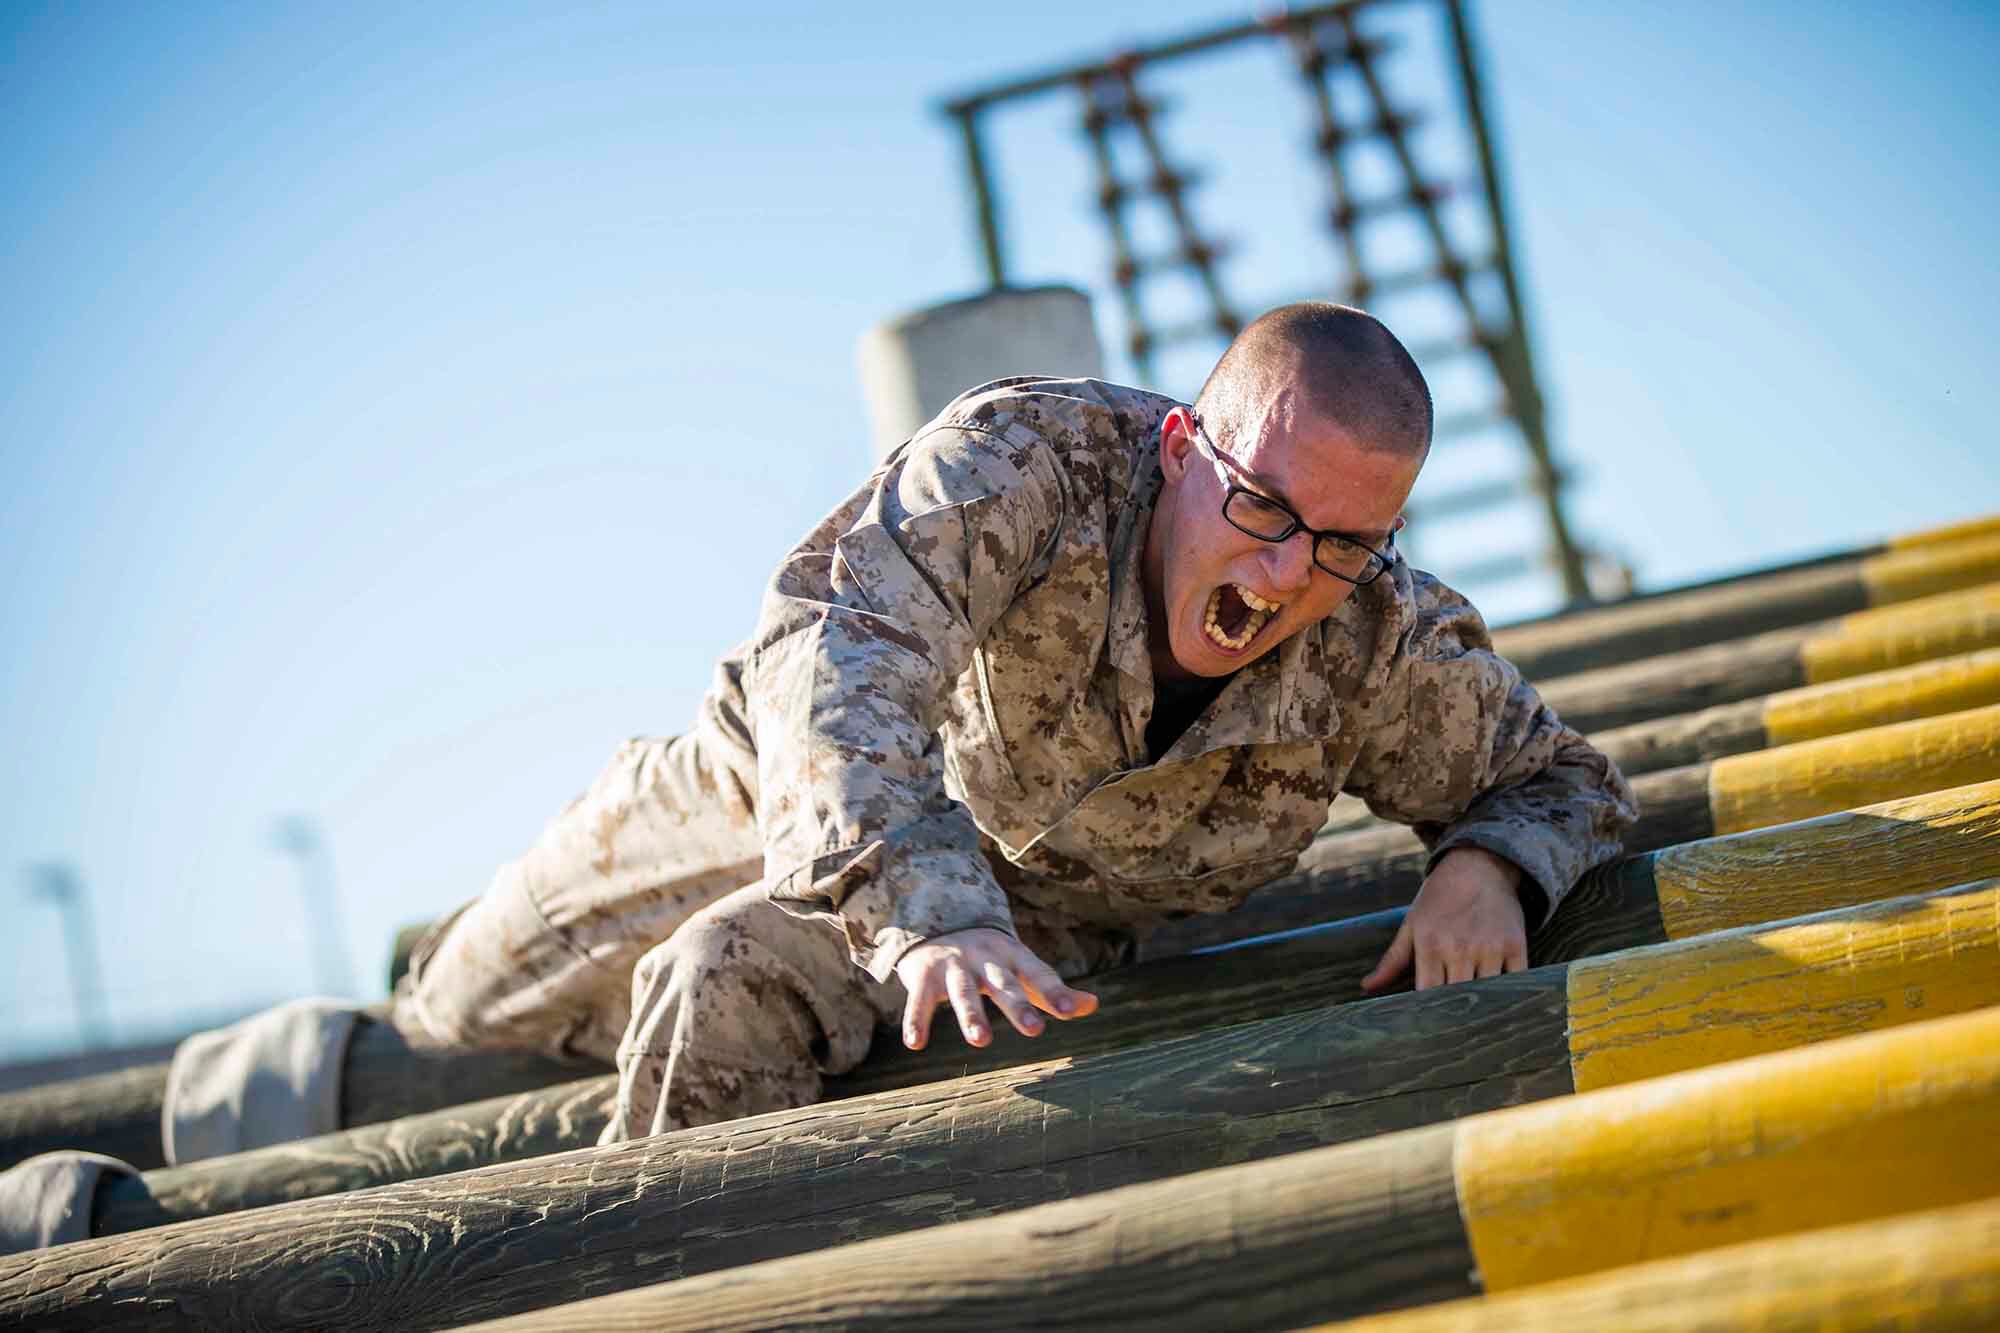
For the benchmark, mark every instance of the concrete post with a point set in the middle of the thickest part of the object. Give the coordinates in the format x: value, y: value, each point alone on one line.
x: 911, y: 366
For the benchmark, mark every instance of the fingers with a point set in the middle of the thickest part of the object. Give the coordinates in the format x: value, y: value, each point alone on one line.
x: 1046, y: 991
x: 965, y: 1002
x: 1395, y: 960
x: 925, y: 996
x: 1006, y: 991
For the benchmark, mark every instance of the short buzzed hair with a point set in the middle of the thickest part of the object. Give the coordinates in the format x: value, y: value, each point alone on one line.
x: 1348, y: 367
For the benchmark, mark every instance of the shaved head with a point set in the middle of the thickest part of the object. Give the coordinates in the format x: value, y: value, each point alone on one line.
x: 1339, y: 364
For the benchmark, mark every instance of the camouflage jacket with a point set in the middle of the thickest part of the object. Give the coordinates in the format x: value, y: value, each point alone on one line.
x: 949, y: 688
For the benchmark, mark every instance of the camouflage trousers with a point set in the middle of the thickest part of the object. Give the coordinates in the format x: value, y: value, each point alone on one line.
x: 635, y: 931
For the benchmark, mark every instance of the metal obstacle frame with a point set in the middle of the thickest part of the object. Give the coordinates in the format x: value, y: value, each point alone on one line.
x: 1325, y: 41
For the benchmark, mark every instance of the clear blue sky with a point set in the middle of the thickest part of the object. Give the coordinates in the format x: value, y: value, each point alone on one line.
x: 401, y: 404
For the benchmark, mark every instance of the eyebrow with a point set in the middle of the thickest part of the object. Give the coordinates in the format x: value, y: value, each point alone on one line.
x: 1374, y: 542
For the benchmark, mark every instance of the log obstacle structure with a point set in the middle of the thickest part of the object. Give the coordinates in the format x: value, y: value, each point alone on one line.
x: 385, y: 1076
x: 1673, y: 621
x: 1857, y: 1129
x: 504, y: 1238
x: 1354, y: 873
x: 1928, y: 1272
x: 1372, y: 869
x: 1923, y: 630
x: 1631, y: 1015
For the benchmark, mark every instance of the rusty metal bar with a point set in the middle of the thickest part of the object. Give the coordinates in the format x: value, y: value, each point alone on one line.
x: 1167, y: 183
x: 1182, y: 46
x: 985, y: 213
x: 1521, y: 383
x: 1112, y: 196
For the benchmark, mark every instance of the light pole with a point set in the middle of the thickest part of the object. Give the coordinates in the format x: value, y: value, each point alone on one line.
x: 299, y: 837
x: 61, y: 885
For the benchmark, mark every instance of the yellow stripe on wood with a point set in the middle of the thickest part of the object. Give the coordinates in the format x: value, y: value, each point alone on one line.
x: 1687, y: 1005
x: 1932, y: 1272
x: 1931, y: 568
x: 1880, y: 851
x: 1765, y: 787
x: 1858, y: 1128
x: 1924, y: 690
x: 1950, y: 532
x: 1894, y: 636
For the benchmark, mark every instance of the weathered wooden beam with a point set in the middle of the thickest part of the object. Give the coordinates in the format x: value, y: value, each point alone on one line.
x: 1610, y: 635
x: 1859, y: 1129
x: 1928, y: 689
x: 1928, y: 628
x: 1377, y: 868
x: 1630, y: 1015
x: 503, y: 1238
x: 384, y: 1077
x: 1925, y: 1272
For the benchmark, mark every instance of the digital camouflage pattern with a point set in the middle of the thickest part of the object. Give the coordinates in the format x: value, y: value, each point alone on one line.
x: 940, y: 724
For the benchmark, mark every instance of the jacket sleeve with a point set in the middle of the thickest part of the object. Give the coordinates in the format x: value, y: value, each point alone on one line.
x: 1466, y: 753
x: 865, y: 629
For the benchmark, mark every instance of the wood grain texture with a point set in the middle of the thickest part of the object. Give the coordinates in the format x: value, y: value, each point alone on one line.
x: 1924, y: 630
x: 1690, y: 738
x: 1366, y: 1227
x: 1847, y: 1130
x: 1929, y: 1272
x: 1857, y: 768
x: 429, y: 1253
x: 1893, y: 636
x: 1880, y: 851
x: 1649, y: 1012
x: 383, y: 1077
x: 1612, y: 635
x: 116, y: 1113
x: 1922, y: 571
x: 1142, y: 1003
x: 1927, y: 689
x: 1987, y: 526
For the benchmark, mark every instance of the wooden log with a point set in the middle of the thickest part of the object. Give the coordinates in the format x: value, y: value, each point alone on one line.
x: 502, y: 1238
x: 1928, y: 689
x: 384, y: 1076
x: 1854, y: 1130
x: 1923, y: 630
x: 1630, y: 1015
x: 1928, y: 1272
x: 1611, y: 635
x: 1372, y: 869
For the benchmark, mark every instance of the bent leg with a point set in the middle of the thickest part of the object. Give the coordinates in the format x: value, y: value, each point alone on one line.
x: 740, y: 1012
x: 543, y: 960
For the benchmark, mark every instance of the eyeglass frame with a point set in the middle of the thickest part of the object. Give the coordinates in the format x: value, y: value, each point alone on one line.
x: 1213, y: 452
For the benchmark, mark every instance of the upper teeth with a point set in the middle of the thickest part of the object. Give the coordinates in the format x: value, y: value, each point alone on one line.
x: 1261, y: 612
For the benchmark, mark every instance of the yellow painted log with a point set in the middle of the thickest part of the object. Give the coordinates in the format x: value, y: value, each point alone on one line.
x: 1765, y: 787
x: 1855, y: 704
x: 1851, y: 1129
x: 1921, y: 571
x: 1892, y: 636
x: 1643, y: 1013
x: 1951, y: 532
x: 1930, y: 1272
x: 1879, y: 851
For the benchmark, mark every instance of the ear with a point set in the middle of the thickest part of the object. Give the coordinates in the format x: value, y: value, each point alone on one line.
x: 1176, y: 443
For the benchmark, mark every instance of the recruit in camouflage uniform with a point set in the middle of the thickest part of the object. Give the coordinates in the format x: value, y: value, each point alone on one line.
x: 940, y: 723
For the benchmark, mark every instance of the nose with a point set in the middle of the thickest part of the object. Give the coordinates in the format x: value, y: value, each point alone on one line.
x: 1288, y: 564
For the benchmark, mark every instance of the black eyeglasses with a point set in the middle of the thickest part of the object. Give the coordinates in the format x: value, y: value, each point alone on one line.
x: 1271, y: 520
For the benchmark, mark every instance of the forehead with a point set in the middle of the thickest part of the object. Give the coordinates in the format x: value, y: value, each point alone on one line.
x: 1333, y: 481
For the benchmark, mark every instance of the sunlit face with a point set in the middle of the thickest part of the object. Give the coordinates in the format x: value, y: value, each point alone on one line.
x: 1218, y: 598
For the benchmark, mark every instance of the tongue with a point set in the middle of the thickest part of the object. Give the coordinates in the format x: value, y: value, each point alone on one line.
x: 1231, y: 611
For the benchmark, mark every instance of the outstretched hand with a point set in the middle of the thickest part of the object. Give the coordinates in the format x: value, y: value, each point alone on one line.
x: 1466, y: 922
x: 961, y: 967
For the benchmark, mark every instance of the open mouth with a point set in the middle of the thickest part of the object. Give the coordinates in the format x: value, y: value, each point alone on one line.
x: 1234, y: 617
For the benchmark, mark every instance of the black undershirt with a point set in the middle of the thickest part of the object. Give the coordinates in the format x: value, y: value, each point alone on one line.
x: 1175, y: 707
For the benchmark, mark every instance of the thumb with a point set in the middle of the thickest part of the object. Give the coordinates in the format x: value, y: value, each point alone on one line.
x: 1394, y: 962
